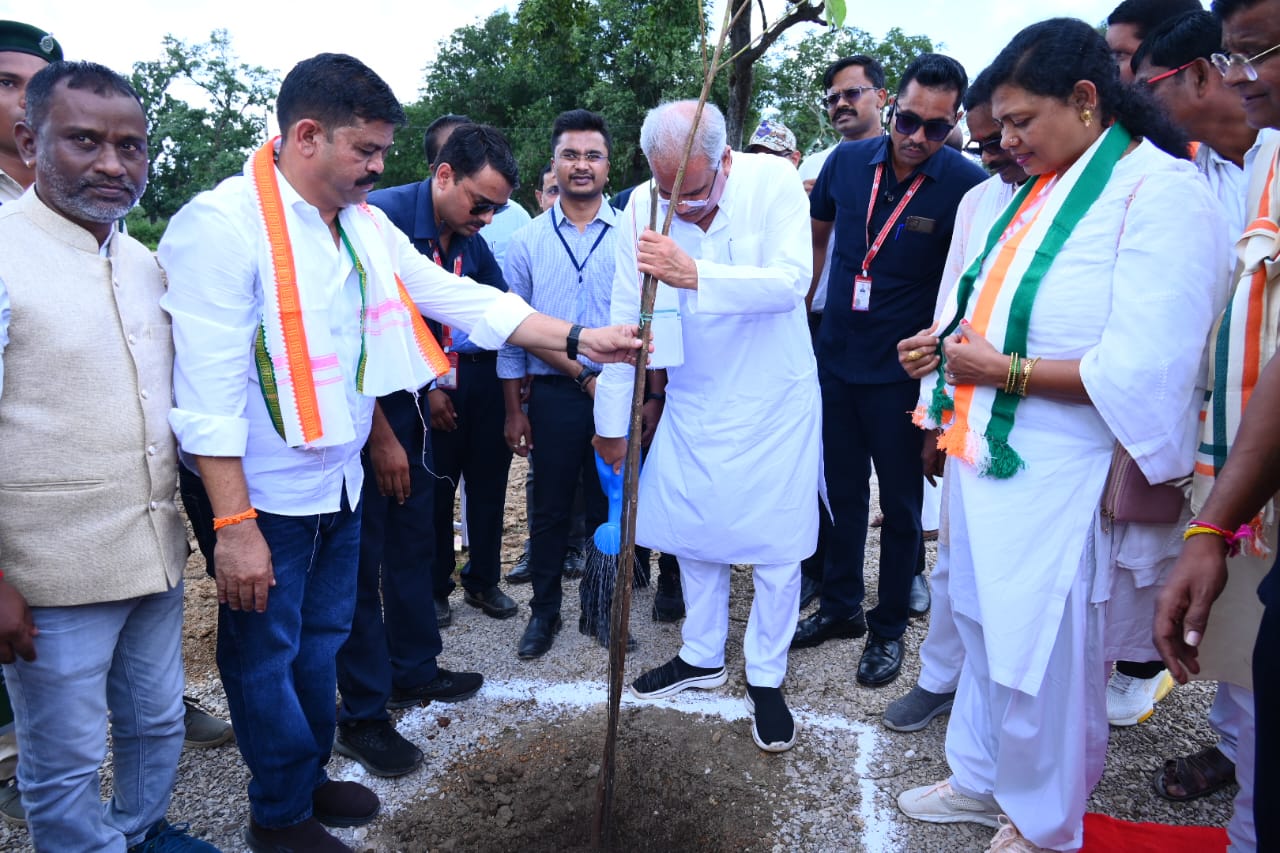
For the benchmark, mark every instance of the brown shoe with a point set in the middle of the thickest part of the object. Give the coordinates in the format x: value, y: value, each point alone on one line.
x: 308, y: 835
x: 344, y: 804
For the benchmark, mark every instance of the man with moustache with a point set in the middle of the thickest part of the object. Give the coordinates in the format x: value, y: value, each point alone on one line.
x: 941, y: 653
x: 295, y: 305
x: 81, y: 639
x: 893, y: 202
x: 854, y: 96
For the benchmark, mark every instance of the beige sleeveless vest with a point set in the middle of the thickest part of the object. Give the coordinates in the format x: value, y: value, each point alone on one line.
x: 88, y: 464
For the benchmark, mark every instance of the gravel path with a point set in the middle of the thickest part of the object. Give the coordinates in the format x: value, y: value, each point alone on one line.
x: 834, y: 792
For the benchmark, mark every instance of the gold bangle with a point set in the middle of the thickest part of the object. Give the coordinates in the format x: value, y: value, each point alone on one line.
x: 1015, y: 369
x: 1026, y: 376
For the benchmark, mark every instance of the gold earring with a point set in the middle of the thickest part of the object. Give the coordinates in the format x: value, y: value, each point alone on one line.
x: 1086, y: 116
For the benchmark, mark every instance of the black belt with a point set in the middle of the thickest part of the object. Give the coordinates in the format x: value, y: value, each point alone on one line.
x: 477, y: 357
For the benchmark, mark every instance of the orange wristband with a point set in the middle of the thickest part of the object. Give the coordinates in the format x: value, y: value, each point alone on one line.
x: 227, y: 521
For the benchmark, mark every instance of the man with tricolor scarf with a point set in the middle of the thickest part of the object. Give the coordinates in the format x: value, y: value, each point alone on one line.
x: 294, y: 306
x: 1234, y: 539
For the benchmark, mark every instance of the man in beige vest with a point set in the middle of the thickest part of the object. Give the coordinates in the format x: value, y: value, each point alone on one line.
x: 91, y: 543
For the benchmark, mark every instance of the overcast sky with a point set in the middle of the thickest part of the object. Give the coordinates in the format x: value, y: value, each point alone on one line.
x: 398, y: 43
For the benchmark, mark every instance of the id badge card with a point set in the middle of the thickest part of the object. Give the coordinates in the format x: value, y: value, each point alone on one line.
x: 449, y: 379
x: 862, y: 293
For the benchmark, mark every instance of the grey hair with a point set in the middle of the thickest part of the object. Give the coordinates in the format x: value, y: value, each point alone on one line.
x: 665, y: 131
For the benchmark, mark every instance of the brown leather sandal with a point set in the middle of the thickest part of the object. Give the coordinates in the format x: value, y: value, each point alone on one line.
x: 1194, y: 776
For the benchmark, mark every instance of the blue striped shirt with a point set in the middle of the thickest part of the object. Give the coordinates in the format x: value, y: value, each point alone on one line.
x: 562, y: 272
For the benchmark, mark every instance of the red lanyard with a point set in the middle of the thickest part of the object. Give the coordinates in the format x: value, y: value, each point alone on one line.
x: 445, y: 332
x: 893, y: 217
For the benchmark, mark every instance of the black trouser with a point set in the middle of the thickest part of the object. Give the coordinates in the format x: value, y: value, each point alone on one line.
x: 562, y: 423
x: 195, y: 500
x: 478, y: 451
x: 862, y: 424
x: 1266, y: 697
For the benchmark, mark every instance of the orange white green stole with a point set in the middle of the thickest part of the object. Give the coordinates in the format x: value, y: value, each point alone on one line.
x: 1244, y: 340
x: 300, y: 372
x: 977, y: 420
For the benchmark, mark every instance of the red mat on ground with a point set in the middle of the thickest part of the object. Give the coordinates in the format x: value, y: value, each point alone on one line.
x: 1103, y: 834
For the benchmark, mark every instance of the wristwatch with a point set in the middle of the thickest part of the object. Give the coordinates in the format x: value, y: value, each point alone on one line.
x: 584, y: 377
x: 571, y: 342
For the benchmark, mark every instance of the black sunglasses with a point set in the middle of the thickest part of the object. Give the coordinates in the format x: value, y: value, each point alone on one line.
x: 978, y: 147
x: 935, y: 129
x: 490, y: 207
x: 851, y: 95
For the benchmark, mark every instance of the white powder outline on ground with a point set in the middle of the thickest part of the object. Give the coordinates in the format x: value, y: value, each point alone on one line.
x: 880, y: 832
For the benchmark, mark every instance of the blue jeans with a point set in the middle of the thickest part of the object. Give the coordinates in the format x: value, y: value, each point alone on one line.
x: 394, y: 638
x: 124, y: 657
x: 278, y: 667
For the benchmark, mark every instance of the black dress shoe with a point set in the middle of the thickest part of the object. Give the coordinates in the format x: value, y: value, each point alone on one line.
x: 520, y: 571
x: 493, y: 601
x: 881, y: 660
x: 575, y: 563
x: 810, y: 589
x: 817, y: 628
x: 538, y: 636
x: 919, y: 601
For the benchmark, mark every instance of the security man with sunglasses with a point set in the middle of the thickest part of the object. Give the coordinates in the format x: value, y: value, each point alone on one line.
x: 892, y: 201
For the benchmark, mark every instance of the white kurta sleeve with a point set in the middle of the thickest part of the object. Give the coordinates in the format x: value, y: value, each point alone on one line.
x: 613, y: 387
x: 769, y: 262
x: 1167, y: 284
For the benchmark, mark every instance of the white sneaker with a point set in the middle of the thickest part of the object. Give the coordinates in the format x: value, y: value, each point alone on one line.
x: 1131, y: 700
x: 941, y: 803
x: 1008, y: 840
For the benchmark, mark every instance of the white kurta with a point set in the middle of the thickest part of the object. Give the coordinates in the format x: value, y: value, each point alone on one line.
x: 1132, y: 295
x: 734, y: 465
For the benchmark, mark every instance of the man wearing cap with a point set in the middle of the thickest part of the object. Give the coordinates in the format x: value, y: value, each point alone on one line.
x: 24, y: 50
x: 774, y: 137
x: 892, y: 203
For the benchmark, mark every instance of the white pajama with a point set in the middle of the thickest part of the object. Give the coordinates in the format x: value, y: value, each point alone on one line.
x: 772, y: 623
x: 1232, y: 718
x: 941, y: 653
x: 1038, y: 755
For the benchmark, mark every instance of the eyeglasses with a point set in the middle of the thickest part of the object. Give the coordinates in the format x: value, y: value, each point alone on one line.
x: 481, y: 205
x: 851, y: 95
x: 935, y: 129
x: 1224, y: 63
x: 978, y: 147
x: 1165, y: 75
x: 592, y: 157
x: 693, y: 204
x: 554, y: 189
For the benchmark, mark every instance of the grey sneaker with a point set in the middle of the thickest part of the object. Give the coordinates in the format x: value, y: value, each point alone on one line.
x: 913, y: 712
x: 11, y: 804
x: 203, y: 730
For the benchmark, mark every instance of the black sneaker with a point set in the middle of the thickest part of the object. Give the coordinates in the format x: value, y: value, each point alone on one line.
x: 378, y: 746
x: 520, y: 571
x: 676, y: 675
x: 574, y: 563
x: 445, y: 687
x: 772, y: 727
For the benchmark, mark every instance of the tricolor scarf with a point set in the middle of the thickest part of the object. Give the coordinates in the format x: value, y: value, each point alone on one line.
x: 1243, y: 342
x: 298, y: 366
x: 1030, y: 233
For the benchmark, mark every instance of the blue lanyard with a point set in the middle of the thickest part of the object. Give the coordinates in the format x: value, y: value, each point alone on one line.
x: 555, y: 226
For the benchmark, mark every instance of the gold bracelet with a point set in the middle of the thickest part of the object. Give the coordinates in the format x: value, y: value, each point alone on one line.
x: 1026, y: 376
x: 1015, y: 369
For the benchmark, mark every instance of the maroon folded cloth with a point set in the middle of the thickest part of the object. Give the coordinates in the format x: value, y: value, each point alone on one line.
x: 1103, y: 834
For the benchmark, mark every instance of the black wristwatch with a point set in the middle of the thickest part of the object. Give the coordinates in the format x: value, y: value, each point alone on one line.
x: 584, y: 377
x: 571, y: 342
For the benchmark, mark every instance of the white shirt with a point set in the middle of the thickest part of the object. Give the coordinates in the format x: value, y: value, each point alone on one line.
x: 210, y: 253
x: 978, y: 211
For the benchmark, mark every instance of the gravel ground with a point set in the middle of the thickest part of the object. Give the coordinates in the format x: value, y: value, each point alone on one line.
x: 834, y: 792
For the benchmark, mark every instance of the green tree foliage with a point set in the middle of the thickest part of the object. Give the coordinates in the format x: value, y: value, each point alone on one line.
x: 519, y: 70
x: 195, y: 145
x: 794, y: 79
